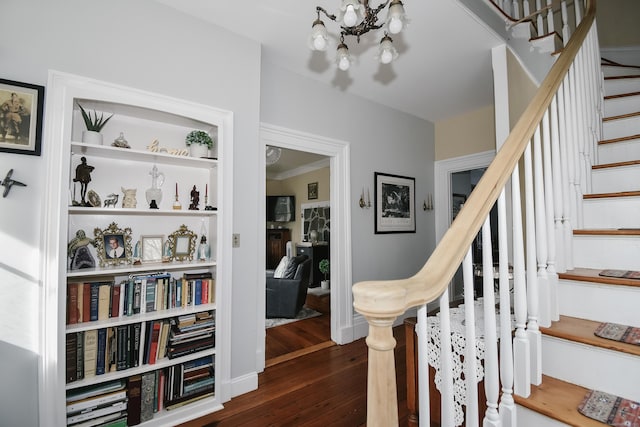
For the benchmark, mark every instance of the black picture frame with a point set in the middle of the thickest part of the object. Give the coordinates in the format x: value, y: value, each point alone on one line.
x: 395, y: 203
x: 21, y: 110
x: 312, y: 191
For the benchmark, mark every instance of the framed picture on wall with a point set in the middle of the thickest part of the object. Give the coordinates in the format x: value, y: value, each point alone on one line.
x: 312, y: 191
x: 394, y: 204
x: 21, y: 106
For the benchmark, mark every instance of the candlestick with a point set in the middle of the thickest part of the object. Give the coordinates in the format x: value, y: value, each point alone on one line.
x: 176, y: 190
x: 176, y: 205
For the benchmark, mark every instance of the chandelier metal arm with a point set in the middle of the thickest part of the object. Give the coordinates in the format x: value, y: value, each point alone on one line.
x: 368, y: 23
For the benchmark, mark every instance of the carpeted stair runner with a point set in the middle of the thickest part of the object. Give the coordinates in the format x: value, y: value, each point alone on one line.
x: 617, y: 332
x: 609, y: 409
x: 623, y: 274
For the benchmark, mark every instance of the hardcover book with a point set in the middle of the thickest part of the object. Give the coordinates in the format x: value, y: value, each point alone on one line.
x: 134, y: 393
x: 147, y: 396
x: 90, y: 352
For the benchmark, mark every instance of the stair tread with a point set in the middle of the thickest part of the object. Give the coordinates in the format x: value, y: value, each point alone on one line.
x: 559, y: 400
x: 592, y: 275
x: 621, y: 116
x: 620, y: 139
x: 628, y: 76
x: 608, y: 232
x: 607, y: 195
x: 621, y: 95
x: 581, y: 330
x: 617, y: 164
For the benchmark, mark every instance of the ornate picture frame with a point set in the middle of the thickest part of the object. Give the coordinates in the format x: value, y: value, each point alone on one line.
x: 312, y: 190
x: 183, y: 244
x: 113, y: 245
x: 21, y: 109
x: 395, y: 204
x: 151, y: 248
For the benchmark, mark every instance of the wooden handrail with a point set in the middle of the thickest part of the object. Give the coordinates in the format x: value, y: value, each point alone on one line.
x: 380, y: 302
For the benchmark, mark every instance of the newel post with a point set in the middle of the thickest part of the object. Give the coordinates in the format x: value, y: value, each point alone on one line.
x: 382, y: 396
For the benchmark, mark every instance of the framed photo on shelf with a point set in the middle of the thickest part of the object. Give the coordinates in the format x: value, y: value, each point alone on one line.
x: 113, y: 245
x: 394, y: 204
x: 151, y: 248
x: 183, y: 244
x: 21, y: 107
x: 312, y: 190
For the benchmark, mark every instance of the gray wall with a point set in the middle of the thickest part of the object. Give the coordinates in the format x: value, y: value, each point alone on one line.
x: 382, y: 140
x: 146, y: 45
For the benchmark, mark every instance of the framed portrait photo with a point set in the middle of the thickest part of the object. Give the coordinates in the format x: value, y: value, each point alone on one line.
x: 21, y: 107
x: 394, y: 204
x: 113, y: 245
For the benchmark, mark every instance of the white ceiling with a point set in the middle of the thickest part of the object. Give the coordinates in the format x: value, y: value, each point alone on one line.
x: 444, y: 67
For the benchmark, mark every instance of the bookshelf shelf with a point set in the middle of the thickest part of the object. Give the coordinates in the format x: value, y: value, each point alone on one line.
x: 158, y: 321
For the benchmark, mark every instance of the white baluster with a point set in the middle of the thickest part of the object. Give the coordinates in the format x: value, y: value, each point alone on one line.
x: 551, y: 26
x: 521, y: 347
x: 556, y: 162
x: 566, y: 33
x: 424, y: 408
x: 564, y: 126
x: 470, y: 358
x: 532, y: 276
x: 446, y: 364
x: 515, y: 10
x: 507, y: 407
x: 552, y: 276
x: 575, y: 165
x: 491, y: 378
x: 539, y: 19
x: 541, y: 228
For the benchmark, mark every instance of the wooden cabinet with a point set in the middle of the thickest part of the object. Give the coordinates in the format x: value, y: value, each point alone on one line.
x: 316, y: 253
x: 276, y: 245
x: 149, y: 295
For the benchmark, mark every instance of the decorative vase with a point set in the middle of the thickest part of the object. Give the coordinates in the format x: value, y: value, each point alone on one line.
x: 92, y: 137
x: 154, y: 194
x: 324, y: 284
x: 198, y: 150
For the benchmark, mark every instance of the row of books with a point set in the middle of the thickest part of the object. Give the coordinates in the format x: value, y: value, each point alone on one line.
x: 134, y: 400
x: 98, y: 351
x: 104, y: 299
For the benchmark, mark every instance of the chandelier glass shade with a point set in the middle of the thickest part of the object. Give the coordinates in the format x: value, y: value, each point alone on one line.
x: 356, y: 18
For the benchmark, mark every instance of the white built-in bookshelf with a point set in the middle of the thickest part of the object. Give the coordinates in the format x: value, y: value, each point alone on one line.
x: 156, y: 315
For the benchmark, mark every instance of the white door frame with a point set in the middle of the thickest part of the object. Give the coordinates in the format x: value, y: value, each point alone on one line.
x: 340, y: 256
x: 443, y: 169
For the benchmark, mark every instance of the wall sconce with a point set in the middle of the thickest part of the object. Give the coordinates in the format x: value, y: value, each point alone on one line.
x: 427, y: 204
x: 364, y: 204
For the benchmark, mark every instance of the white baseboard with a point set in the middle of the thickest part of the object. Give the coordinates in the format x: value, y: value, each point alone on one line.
x: 244, y: 384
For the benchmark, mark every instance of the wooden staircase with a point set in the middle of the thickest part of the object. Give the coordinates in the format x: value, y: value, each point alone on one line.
x: 574, y: 359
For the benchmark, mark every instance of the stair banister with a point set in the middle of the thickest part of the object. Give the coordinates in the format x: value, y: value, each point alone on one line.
x: 381, y: 302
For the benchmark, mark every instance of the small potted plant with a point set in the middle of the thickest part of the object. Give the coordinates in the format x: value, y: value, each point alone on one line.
x: 323, y: 266
x: 94, y: 125
x: 199, y: 143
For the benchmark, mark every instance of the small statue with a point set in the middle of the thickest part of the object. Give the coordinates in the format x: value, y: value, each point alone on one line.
x: 79, y: 253
x: 129, y: 199
x: 111, y: 200
x: 120, y: 142
x: 83, y: 176
x: 195, y: 199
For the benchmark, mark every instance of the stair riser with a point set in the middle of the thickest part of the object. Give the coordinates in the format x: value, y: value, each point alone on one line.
x: 619, y: 106
x: 611, y: 252
x: 619, y: 151
x: 592, y: 367
x: 616, y: 179
x: 529, y: 418
x: 610, y: 71
x: 612, y: 212
x: 599, y: 302
x: 621, y: 86
x: 620, y: 128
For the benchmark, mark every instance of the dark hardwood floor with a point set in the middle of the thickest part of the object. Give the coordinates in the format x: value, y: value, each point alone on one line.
x: 323, y: 388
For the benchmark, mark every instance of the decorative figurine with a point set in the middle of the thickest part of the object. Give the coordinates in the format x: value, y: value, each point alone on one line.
x: 166, y: 251
x: 120, y: 142
x: 129, y: 200
x: 176, y: 205
x: 204, y: 250
x: 111, y: 200
x: 136, y: 254
x: 207, y: 207
x: 154, y: 194
x: 83, y: 176
x: 78, y: 251
x: 195, y: 199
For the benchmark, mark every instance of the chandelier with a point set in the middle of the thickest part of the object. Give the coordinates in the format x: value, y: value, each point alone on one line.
x: 356, y: 18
